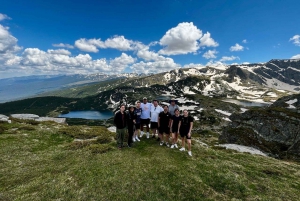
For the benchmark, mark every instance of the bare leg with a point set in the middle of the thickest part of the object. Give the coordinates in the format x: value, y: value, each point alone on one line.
x: 189, y: 141
x: 167, y: 138
x: 183, y: 142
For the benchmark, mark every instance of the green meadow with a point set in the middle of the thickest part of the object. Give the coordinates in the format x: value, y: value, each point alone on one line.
x: 49, y: 161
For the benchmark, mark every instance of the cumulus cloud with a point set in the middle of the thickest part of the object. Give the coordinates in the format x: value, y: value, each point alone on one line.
x: 89, y: 45
x: 4, y: 17
x: 182, y: 39
x: 59, y: 51
x: 63, y: 45
x: 154, y: 67
x: 116, y: 42
x: 8, y: 43
x: 236, y: 47
x: 296, y: 40
x: 206, y: 40
x: 297, y: 56
x: 225, y: 58
x: 210, y: 54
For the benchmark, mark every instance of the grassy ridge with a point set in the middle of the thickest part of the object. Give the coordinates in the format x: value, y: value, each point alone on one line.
x: 43, y: 162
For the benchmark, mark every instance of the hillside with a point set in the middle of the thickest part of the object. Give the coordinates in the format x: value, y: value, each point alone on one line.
x: 53, y: 162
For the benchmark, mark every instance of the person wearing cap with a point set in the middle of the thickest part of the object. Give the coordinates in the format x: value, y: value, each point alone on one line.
x: 173, y: 105
x: 164, y: 123
x: 145, y: 116
x: 137, y: 112
x: 155, y: 110
x: 185, y: 127
x: 131, y: 117
x: 120, y: 121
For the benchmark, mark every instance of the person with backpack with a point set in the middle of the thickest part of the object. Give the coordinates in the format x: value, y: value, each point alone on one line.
x: 185, y: 127
x: 120, y: 121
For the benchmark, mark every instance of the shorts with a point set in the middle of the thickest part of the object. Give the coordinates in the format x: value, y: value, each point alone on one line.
x: 154, y: 125
x: 137, y: 126
x: 164, y: 129
x: 185, y: 134
x: 175, y: 130
x: 145, y: 121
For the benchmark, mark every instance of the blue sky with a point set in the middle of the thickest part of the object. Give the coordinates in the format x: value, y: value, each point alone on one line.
x: 65, y: 37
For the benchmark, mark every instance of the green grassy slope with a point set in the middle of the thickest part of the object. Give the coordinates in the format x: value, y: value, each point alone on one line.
x: 42, y: 162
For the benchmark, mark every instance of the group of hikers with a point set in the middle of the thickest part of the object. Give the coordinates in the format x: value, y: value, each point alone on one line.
x: 164, y: 120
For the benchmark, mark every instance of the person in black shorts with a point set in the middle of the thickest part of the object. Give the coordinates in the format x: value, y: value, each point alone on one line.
x: 185, y: 127
x: 174, y: 127
x: 164, y: 122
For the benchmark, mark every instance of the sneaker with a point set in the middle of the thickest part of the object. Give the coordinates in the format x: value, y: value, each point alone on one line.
x: 172, y: 147
x: 161, y: 143
x: 147, y: 134
x: 142, y: 133
x: 182, y: 149
x: 137, y: 138
x: 133, y: 139
x: 168, y: 145
x: 176, y: 146
x: 190, y: 153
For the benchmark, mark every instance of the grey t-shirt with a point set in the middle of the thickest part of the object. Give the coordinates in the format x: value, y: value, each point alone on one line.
x: 172, y: 109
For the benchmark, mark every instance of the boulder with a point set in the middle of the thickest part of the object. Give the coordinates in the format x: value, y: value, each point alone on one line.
x: 57, y: 120
x: 4, y: 118
x: 25, y: 116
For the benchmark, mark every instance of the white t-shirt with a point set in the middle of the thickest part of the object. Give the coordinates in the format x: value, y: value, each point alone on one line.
x: 155, y: 113
x: 146, y: 110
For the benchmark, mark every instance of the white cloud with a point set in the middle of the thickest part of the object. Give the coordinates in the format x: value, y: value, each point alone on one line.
x: 63, y: 45
x: 225, y: 58
x: 297, y: 56
x: 182, y: 39
x: 116, y: 42
x: 246, y: 63
x: 210, y: 54
x: 206, y: 40
x: 236, y: 47
x: 89, y: 45
x: 244, y: 41
x: 4, y: 17
x: 8, y: 43
x: 154, y: 67
x: 60, y: 51
x: 192, y: 65
x: 296, y: 40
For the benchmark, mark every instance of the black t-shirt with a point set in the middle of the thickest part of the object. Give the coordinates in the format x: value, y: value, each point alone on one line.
x: 186, y: 123
x: 164, y: 119
x: 175, y: 121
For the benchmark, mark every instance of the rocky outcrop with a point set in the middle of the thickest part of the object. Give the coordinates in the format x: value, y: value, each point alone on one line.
x: 4, y: 118
x: 275, y: 130
x: 38, y: 118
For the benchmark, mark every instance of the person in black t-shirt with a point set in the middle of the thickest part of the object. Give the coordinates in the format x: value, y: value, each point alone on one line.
x: 185, y: 127
x: 164, y: 122
x: 120, y: 120
x: 131, y: 121
x: 174, y: 128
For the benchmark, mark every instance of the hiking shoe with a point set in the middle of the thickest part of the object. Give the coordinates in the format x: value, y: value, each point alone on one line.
x: 147, y: 134
x: 182, y: 149
x: 142, y: 133
x: 176, y: 146
x: 190, y: 153
x: 137, y: 138
x: 168, y: 145
x: 161, y: 143
x: 172, y: 146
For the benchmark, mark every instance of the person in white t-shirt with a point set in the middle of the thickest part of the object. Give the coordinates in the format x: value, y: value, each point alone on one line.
x: 155, y: 110
x: 145, y: 116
